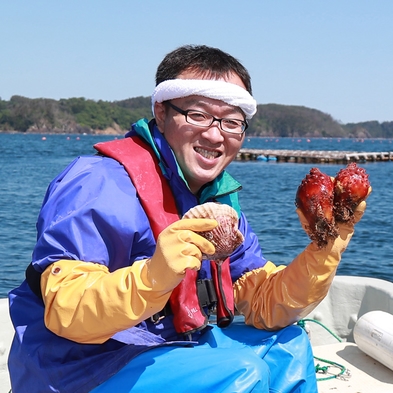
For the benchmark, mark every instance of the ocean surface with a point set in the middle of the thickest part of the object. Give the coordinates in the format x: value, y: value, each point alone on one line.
x: 29, y: 162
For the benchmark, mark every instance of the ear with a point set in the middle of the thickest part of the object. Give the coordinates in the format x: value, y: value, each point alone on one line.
x: 160, y: 115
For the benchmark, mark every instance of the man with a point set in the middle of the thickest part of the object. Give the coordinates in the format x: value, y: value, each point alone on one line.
x: 117, y: 294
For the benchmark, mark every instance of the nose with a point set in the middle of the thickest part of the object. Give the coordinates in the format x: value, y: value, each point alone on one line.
x: 213, y: 133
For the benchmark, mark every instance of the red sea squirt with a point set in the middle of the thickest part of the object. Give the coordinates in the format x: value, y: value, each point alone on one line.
x: 314, y: 198
x: 351, y: 186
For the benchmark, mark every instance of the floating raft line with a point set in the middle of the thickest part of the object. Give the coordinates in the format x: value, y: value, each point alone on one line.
x: 312, y: 156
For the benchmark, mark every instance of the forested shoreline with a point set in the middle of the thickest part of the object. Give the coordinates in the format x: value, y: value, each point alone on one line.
x: 85, y: 116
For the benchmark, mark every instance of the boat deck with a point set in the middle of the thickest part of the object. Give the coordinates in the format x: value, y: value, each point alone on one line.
x: 363, y: 373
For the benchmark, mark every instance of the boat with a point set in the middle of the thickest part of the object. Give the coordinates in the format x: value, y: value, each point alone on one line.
x: 343, y: 363
x: 339, y: 339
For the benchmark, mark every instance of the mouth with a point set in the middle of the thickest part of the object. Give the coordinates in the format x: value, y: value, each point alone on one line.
x: 207, y: 153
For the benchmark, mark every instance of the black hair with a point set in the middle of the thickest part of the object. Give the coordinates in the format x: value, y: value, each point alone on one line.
x: 205, y: 61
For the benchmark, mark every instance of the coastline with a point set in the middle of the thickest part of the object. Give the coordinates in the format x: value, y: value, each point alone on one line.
x: 111, y: 131
x: 108, y: 131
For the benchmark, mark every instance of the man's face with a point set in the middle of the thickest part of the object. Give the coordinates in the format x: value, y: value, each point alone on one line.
x: 202, y: 152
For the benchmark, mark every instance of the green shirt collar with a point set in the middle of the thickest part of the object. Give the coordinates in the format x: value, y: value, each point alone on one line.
x: 223, y: 189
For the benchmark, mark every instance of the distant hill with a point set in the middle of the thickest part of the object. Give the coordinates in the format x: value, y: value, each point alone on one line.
x: 371, y: 129
x: 80, y: 115
x: 294, y: 121
x: 73, y: 115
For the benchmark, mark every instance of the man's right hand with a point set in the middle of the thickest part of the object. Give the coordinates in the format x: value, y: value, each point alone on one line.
x: 179, y: 247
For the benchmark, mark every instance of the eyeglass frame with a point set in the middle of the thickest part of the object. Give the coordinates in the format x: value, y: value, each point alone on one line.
x: 185, y: 114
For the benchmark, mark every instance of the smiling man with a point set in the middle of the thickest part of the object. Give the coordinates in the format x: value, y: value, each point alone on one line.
x: 117, y: 297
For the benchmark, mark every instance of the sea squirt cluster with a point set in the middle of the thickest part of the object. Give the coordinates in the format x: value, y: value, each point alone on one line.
x: 226, y: 236
x: 326, y: 201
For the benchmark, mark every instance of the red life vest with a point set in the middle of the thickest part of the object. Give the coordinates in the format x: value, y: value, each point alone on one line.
x: 158, y: 201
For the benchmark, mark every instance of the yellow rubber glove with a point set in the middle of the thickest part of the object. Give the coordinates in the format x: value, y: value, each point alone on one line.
x: 86, y: 303
x: 274, y: 297
x: 179, y: 247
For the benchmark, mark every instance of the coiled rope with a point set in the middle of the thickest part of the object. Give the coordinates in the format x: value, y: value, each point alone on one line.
x: 325, y: 369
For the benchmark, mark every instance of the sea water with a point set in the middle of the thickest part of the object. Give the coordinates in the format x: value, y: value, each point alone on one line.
x: 29, y: 162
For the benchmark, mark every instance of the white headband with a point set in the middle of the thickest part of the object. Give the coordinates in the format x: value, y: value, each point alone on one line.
x: 216, y: 89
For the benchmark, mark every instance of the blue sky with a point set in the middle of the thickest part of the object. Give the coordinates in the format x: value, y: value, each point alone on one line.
x: 334, y: 55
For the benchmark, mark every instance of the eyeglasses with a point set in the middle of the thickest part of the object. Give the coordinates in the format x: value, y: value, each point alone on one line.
x: 203, y: 119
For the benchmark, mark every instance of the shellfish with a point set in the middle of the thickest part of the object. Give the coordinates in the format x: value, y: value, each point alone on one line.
x: 226, y: 236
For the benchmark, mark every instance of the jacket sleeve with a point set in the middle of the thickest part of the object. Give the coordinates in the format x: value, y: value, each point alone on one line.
x: 87, y: 304
x: 273, y: 297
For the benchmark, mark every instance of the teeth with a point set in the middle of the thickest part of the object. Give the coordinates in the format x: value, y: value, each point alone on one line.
x: 207, y: 153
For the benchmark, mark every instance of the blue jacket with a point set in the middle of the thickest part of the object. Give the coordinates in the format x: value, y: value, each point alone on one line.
x: 91, y: 213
